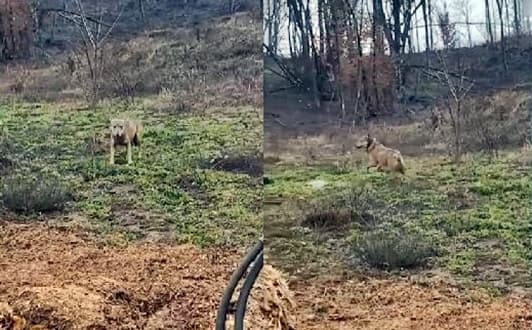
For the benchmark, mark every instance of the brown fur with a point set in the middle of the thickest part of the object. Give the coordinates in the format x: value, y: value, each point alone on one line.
x: 125, y: 132
x: 382, y: 157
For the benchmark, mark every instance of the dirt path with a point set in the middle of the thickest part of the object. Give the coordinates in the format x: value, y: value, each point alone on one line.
x: 387, y: 305
x: 62, y: 281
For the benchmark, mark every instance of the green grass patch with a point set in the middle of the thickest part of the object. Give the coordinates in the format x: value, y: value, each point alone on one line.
x: 454, y: 208
x: 168, y: 187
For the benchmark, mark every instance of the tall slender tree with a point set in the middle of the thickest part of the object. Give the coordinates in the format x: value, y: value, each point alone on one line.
x: 16, y: 29
x: 500, y: 10
x: 488, y: 21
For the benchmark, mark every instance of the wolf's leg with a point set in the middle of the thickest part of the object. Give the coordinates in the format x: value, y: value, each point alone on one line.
x: 139, y: 146
x: 129, y: 161
x: 112, y: 152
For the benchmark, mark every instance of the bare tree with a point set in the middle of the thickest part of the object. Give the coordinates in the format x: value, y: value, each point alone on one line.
x: 141, y: 12
x: 430, y: 11
x: 93, y: 36
x: 272, y: 22
x: 397, y: 30
x: 503, y: 40
x: 16, y: 29
x: 488, y: 21
x: 517, y: 17
x: 447, y: 28
x: 427, y: 27
x: 464, y: 8
x: 528, y: 138
x: 458, y: 87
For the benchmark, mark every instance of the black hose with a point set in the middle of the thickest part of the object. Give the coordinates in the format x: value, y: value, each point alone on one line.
x: 235, y: 278
x: 246, y: 290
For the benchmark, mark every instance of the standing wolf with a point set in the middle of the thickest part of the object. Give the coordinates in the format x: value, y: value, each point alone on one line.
x: 381, y: 157
x: 125, y: 132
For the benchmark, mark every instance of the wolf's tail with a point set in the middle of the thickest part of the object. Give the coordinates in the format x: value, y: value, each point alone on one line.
x: 401, y: 167
x: 136, y: 138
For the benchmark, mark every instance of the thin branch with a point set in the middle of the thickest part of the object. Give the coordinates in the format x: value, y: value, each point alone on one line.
x: 84, y: 20
x: 68, y: 12
x: 292, y: 77
x: 111, y: 28
x: 431, y: 68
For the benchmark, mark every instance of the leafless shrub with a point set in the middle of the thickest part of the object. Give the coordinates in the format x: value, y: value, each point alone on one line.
x: 22, y: 77
x: 458, y: 87
x: 124, y: 85
x: 92, y: 52
x: 173, y: 101
x: 490, y: 123
x: 494, y: 122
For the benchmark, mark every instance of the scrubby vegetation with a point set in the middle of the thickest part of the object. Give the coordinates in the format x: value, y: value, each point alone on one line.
x: 34, y: 195
x: 386, y: 249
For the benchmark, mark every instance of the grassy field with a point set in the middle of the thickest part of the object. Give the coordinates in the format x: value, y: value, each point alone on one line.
x: 470, y: 221
x: 197, y: 176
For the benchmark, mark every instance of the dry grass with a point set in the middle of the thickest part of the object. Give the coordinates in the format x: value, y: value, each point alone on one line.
x: 337, y: 145
x: 170, y: 66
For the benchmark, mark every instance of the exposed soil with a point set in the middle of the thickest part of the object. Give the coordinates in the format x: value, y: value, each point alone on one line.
x: 63, y: 280
x: 385, y: 304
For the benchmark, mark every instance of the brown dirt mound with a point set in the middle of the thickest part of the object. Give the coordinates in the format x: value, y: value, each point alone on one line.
x: 271, y: 303
x: 385, y: 304
x: 61, y: 281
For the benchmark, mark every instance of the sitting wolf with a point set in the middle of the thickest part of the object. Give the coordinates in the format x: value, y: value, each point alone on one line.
x: 381, y: 157
x: 125, y: 132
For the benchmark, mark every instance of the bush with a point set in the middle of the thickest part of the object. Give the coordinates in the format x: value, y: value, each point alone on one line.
x: 354, y: 206
x: 327, y: 218
x: 247, y: 162
x: 38, y: 195
x: 8, y: 150
x: 389, y: 250
x: 490, y: 123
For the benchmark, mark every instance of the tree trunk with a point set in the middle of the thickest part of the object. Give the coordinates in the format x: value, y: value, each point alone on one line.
x: 417, y: 47
x: 337, y: 64
x: 321, y: 29
x: 141, y: 11
x: 427, y: 36
x: 503, y: 41
x: 316, y: 69
x: 467, y: 17
x: 488, y: 21
x: 529, y: 131
x: 276, y: 24
x: 397, y: 36
x: 431, y: 34
x: 394, y: 44
x: 506, y: 7
x: 517, y: 22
